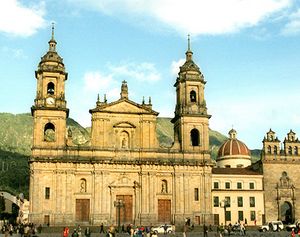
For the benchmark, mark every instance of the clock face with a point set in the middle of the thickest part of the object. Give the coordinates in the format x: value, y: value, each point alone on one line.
x: 50, y: 101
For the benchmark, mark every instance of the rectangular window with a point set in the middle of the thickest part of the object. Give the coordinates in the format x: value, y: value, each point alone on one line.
x: 47, y: 193
x: 196, y: 194
x: 239, y: 185
x: 252, y: 216
x: 227, y: 201
x: 252, y: 201
x: 216, y: 185
x: 240, y: 201
x: 228, y: 216
x: 241, y: 215
x: 251, y: 185
x: 216, y: 201
x: 227, y: 185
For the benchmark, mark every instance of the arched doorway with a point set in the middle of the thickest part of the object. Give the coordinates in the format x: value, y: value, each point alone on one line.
x: 286, y: 212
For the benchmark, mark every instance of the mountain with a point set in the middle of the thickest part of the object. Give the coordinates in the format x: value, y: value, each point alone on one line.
x: 16, y: 138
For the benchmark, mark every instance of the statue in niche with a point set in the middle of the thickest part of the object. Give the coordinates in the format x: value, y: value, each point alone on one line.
x: 124, y: 140
x: 164, y: 186
x: 284, y: 180
x: 83, y: 186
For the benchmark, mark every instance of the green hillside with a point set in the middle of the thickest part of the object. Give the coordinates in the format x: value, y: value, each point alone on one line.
x: 16, y: 138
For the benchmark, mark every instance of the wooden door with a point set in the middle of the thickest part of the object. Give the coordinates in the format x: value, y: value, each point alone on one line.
x: 126, y: 214
x: 82, y: 210
x: 164, y: 211
x: 47, y: 220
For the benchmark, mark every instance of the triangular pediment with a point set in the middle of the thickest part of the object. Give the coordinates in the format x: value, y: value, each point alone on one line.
x: 123, y: 181
x: 126, y: 106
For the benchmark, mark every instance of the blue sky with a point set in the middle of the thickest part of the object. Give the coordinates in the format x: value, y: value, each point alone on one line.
x: 248, y: 51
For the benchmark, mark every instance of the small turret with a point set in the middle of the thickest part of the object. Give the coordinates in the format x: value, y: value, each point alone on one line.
x: 124, y: 90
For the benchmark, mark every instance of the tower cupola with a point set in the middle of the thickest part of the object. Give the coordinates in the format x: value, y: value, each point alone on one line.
x: 52, y: 43
x: 124, y: 90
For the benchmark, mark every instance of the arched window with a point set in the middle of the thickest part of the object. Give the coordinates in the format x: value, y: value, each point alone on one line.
x: 49, y: 132
x: 82, y: 186
x: 124, y: 139
x: 269, y: 149
x: 164, y: 186
x: 295, y: 150
x: 50, y: 88
x: 193, y: 96
x: 275, y: 149
x: 290, y: 150
x: 195, y: 139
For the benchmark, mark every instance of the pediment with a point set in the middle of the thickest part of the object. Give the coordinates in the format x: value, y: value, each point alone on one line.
x: 123, y: 181
x: 125, y: 106
x: 124, y: 125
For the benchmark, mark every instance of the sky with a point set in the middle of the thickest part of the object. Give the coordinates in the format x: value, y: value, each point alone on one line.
x: 248, y: 51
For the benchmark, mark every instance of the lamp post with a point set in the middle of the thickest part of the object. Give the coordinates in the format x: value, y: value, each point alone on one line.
x: 119, y: 204
x: 224, y: 204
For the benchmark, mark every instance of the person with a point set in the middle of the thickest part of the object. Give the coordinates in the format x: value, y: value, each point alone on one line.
x: 148, y: 230
x: 131, y: 231
x: 184, y: 230
x: 75, y: 234
x: 293, y: 233
x: 112, y: 231
x: 87, y: 232
x: 40, y: 228
x: 173, y: 229
x: 165, y: 229
x: 101, y: 228
x: 242, y: 229
x: 205, y: 230
x: 66, y: 232
x: 79, y: 231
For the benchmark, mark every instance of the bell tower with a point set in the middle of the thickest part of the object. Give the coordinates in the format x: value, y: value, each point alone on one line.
x: 191, y: 119
x: 49, y: 110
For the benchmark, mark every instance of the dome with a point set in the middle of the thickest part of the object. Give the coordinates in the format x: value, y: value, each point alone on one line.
x: 233, y: 152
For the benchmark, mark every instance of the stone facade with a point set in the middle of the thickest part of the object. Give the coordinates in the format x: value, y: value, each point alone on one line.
x: 281, y: 177
x: 122, y: 175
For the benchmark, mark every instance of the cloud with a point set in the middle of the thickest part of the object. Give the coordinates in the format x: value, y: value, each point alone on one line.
x: 293, y: 25
x: 175, y: 66
x: 252, y: 118
x: 96, y: 81
x: 14, y: 53
x: 192, y: 16
x: 109, y: 82
x: 144, y: 72
x: 19, y: 20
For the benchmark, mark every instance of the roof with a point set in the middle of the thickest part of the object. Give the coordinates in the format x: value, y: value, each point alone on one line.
x: 233, y: 147
x: 236, y: 171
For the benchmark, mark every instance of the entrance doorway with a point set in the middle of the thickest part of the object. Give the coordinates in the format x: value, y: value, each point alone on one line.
x: 126, y: 209
x: 82, y: 210
x: 164, y: 211
x: 286, y: 212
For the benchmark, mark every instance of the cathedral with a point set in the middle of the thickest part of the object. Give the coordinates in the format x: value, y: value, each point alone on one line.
x: 123, y: 175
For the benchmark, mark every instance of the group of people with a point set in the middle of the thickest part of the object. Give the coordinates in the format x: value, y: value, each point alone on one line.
x: 111, y: 230
x: 238, y: 227
x: 25, y: 230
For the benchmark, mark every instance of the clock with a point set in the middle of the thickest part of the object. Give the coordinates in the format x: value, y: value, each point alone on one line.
x: 50, y: 101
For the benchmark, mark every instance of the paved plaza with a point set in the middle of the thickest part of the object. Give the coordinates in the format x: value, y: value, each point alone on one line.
x: 252, y: 233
